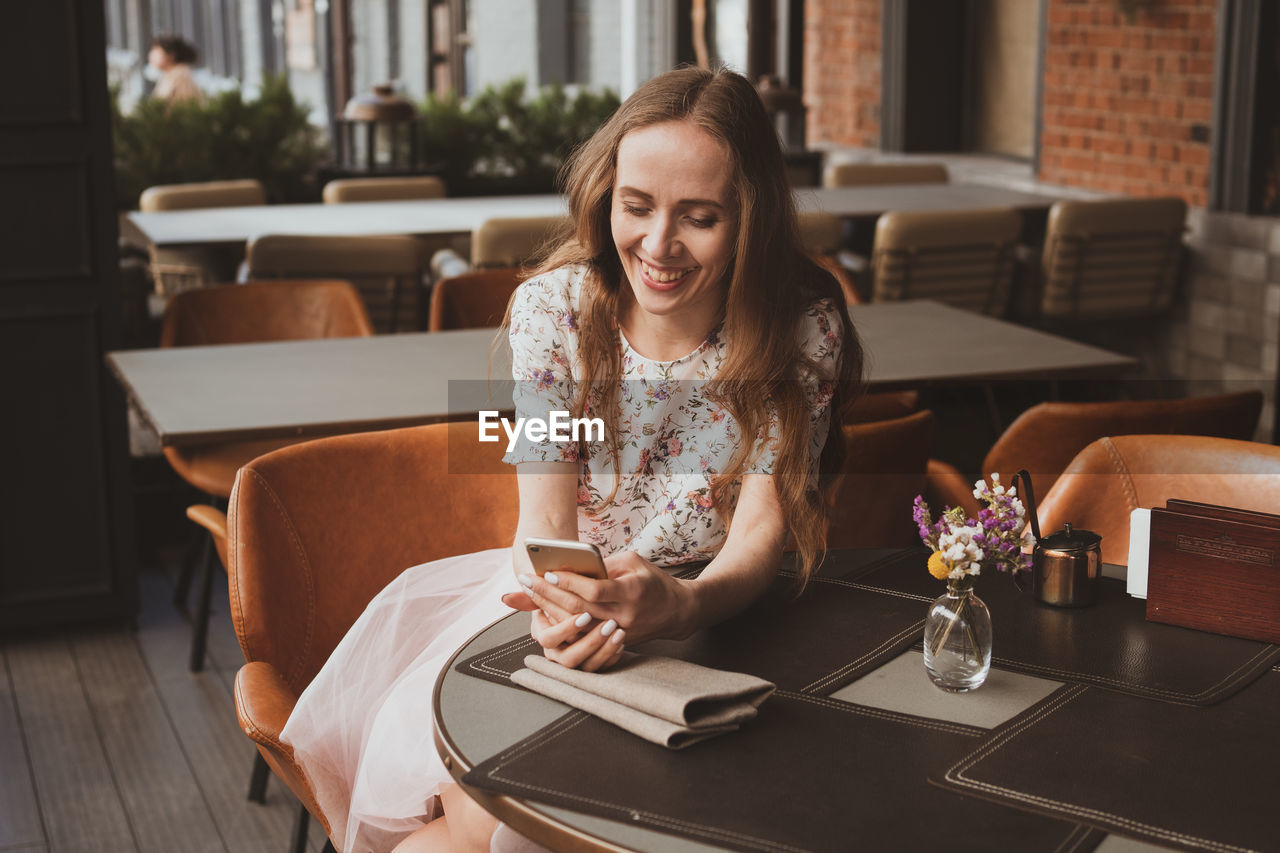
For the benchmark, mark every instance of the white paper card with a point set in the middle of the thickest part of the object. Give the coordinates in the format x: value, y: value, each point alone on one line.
x: 1139, y: 552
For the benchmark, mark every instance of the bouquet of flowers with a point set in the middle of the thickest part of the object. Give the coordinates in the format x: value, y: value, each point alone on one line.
x: 962, y: 545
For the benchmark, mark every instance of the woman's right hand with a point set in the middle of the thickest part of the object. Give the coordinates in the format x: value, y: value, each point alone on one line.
x: 579, y: 642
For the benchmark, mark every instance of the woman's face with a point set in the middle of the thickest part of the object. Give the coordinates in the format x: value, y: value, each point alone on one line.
x: 159, y: 58
x: 674, y: 219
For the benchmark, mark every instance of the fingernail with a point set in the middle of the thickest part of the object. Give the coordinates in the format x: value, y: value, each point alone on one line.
x: 582, y: 620
x: 617, y: 637
x: 607, y: 628
x: 550, y: 577
x: 526, y: 581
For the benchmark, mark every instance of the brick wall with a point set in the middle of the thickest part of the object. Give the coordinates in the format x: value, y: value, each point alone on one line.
x: 1128, y: 105
x: 842, y: 72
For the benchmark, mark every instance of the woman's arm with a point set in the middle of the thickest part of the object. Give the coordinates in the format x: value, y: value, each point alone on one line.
x: 649, y: 603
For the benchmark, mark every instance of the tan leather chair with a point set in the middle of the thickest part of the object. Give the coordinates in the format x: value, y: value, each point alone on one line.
x: 1111, y: 258
x: 883, y: 406
x: 318, y: 529
x: 346, y: 190
x: 871, y: 504
x: 512, y: 241
x: 475, y: 300
x: 822, y: 235
x: 964, y: 258
x: 246, y: 313
x: 387, y: 270
x: 872, y: 174
x: 1114, y: 476
x: 176, y: 269
x: 1045, y: 438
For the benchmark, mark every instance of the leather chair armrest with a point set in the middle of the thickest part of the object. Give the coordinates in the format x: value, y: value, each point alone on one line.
x: 946, y: 486
x: 263, y: 704
x: 215, y: 521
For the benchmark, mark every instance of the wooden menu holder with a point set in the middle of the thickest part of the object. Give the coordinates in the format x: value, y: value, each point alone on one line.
x: 1215, y: 569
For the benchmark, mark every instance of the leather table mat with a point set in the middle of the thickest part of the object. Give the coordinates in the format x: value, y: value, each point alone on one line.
x: 807, y: 774
x: 1192, y: 778
x: 1110, y: 644
x: 835, y: 632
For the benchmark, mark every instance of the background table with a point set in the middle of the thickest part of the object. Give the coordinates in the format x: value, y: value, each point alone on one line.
x: 476, y: 719
x: 236, y: 225
x: 194, y: 395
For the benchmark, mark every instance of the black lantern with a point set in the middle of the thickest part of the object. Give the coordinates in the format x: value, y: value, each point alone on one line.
x: 378, y: 132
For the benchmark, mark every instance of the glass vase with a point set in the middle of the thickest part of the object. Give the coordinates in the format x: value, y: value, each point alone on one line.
x: 957, y: 638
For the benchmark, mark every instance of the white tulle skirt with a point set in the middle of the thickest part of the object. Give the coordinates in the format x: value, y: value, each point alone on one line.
x: 362, y: 728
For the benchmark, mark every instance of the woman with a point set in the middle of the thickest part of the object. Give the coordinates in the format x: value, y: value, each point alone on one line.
x: 682, y: 312
x: 172, y: 57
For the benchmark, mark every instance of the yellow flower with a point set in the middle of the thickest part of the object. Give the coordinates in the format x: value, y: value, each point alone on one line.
x: 938, y: 566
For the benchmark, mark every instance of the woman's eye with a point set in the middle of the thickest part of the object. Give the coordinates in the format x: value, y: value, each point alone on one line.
x: 702, y: 223
x: 633, y: 210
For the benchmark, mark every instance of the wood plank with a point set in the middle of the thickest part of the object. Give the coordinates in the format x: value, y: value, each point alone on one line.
x: 20, y: 824
x: 26, y: 848
x: 204, y: 712
x: 76, y: 788
x: 157, y: 784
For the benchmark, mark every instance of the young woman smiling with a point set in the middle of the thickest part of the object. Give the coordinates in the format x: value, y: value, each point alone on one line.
x: 683, y: 312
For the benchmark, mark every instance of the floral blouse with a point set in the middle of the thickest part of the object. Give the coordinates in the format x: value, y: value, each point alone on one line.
x: 672, y: 438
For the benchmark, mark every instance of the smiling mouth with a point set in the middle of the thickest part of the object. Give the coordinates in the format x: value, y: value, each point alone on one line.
x: 665, y: 277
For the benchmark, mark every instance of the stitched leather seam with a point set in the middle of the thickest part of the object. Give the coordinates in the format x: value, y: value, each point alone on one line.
x: 482, y: 664
x: 296, y: 540
x: 891, y: 716
x: 568, y: 723
x: 1130, y: 491
x: 233, y: 574
x: 1240, y: 673
x: 256, y: 733
x: 828, y: 679
x: 1068, y: 695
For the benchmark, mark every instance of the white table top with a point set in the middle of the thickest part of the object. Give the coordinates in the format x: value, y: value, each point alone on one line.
x: 196, y: 395
x: 463, y: 215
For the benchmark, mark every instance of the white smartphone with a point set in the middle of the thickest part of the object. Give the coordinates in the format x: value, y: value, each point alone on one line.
x: 565, y: 555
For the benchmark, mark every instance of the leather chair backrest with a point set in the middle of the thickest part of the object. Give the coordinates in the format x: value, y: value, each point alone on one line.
x: 1111, y: 258
x: 1114, y: 476
x: 317, y: 529
x: 871, y: 174
x: 1045, y: 438
x: 385, y: 269
x: 264, y: 311
x: 475, y: 300
x: 885, y: 470
x: 512, y: 241
x: 345, y: 190
x: 243, y: 193
x: 964, y: 258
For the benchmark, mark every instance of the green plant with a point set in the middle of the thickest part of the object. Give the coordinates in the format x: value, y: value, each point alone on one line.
x: 504, y: 141
x: 226, y: 137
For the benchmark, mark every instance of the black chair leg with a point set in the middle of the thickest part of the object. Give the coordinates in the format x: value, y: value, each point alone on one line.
x: 200, y: 619
x: 190, y: 562
x: 300, y: 830
x: 258, y: 779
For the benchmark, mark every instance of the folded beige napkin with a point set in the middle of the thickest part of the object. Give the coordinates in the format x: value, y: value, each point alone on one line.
x: 665, y: 701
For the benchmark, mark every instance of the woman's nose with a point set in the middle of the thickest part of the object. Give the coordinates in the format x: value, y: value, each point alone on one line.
x: 659, y: 241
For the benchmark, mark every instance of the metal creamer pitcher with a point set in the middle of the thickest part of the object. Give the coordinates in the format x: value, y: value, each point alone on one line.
x: 1066, y: 566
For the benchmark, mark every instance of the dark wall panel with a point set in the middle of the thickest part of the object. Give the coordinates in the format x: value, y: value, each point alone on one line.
x: 44, y: 221
x: 41, y: 84
x: 52, y: 529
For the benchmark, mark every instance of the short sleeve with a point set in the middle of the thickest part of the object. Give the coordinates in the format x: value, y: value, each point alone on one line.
x: 821, y: 330
x: 543, y: 336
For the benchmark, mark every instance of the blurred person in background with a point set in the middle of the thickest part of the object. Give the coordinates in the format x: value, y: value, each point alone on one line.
x: 172, y: 57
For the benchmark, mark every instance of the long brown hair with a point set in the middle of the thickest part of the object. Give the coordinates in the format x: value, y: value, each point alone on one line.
x: 772, y: 284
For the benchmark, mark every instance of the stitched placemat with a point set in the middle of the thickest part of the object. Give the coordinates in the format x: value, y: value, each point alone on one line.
x: 1194, y: 778
x: 807, y: 774
x: 832, y: 634
x: 1110, y: 644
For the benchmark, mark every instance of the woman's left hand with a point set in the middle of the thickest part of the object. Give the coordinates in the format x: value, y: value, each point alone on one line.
x: 639, y: 596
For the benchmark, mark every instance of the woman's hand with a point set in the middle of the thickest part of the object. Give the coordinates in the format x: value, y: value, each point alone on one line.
x: 640, y: 597
x: 579, y: 642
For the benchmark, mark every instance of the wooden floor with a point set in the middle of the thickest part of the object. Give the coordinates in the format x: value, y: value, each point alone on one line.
x: 108, y: 743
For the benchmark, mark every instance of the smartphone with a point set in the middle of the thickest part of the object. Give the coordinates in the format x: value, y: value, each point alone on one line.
x: 565, y: 555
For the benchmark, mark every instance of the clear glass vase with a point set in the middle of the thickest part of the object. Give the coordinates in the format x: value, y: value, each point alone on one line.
x: 957, y: 638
